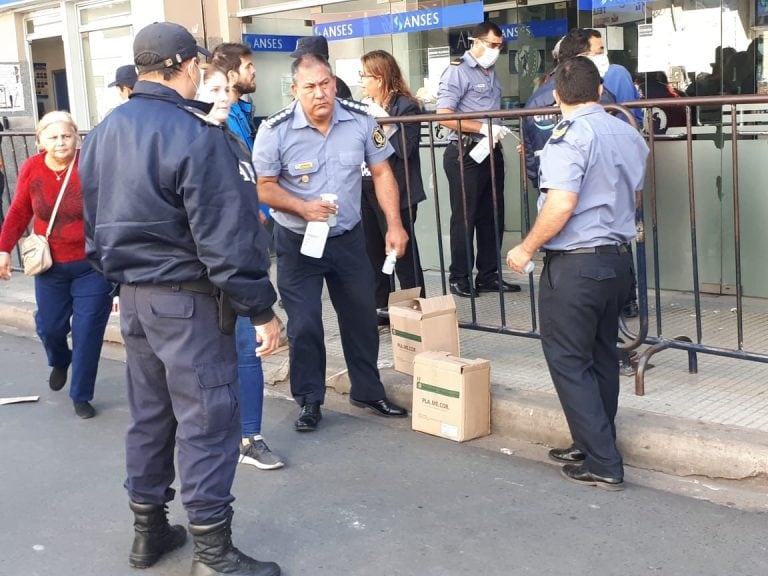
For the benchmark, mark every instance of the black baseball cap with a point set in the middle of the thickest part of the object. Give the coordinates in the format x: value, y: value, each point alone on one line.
x: 167, y: 44
x: 311, y: 45
x: 125, y: 76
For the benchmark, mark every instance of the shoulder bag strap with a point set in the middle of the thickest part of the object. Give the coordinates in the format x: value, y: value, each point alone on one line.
x: 58, y: 198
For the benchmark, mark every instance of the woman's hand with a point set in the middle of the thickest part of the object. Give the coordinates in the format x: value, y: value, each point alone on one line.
x: 5, y: 266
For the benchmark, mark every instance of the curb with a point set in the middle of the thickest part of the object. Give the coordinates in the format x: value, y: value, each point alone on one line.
x: 677, y: 446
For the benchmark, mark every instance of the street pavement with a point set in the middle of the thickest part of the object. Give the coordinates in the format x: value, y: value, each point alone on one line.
x: 362, y: 496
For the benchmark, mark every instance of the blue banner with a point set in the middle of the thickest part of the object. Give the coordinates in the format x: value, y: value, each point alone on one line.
x: 270, y: 42
x: 536, y: 29
x: 609, y: 5
x: 402, y: 23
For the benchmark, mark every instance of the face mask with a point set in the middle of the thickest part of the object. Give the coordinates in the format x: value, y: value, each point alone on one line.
x: 489, y: 57
x: 195, y: 82
x: 602, y: 63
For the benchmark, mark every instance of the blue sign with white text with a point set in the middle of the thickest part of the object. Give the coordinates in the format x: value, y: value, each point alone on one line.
x: 402, y: 23
x: 536, y: 29
x: 270, y: 42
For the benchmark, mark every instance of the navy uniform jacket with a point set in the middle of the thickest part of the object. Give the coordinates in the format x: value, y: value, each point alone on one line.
x: 170, y: 197
x: 537, y: 129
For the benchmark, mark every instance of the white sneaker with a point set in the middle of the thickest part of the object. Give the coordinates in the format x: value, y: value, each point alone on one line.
x: 257, y: 453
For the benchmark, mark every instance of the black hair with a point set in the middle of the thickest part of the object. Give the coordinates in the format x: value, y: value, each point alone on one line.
x: 150, y: 60
x: 577, y: 81
x: 484, y: 28
x: 574, y: 43
x: 592, y: 33
x: 309, y: 59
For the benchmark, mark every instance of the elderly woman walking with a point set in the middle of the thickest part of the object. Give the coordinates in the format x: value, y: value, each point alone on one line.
x: 71, y: 296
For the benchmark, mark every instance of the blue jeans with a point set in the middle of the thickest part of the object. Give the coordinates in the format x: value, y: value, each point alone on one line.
x: 73, y: 297
x: 251, y: 378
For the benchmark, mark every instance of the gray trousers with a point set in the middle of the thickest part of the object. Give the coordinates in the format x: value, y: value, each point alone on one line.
x: 183, y: 393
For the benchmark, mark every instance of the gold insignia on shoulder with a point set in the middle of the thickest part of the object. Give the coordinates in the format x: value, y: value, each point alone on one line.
x: 379, y: 138
x: 560, y: 130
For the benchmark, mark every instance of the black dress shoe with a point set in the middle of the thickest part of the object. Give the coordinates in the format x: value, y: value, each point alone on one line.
x: 309, y: 417
x: 630, y: 309
x: 569, y: 455
x: 381, y: 407
x: 84, y: 410
x: 57, y: 379
x: 493, y: 286
x: 460, y: 288
x: 580, y: 475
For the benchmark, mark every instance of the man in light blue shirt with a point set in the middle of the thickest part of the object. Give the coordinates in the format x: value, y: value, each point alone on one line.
x: 591, y: 168
x: 316, y: 146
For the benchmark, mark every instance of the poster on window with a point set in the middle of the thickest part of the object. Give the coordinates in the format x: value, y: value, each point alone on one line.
x: 41, y: 79
x: 11, y: 88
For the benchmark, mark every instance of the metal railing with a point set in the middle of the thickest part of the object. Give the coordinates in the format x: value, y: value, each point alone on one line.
x: 17, y: 146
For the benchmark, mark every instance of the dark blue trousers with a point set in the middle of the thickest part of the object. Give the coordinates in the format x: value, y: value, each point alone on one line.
x: 251, y: 378
x: 346, y: 270
x: 580, y: 298
x: 73, y: 297
x: 182, y: 392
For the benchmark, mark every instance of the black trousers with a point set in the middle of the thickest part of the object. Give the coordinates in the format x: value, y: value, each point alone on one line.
x: 479, y: 214
x: 580, y: 298
x: 408, y: 267
x: 347, y: 272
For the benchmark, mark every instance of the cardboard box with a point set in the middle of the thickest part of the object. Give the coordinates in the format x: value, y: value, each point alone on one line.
x: 451, y: 396
x: 421, y: 324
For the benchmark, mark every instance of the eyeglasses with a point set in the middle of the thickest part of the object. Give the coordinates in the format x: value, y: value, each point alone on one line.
x: 363, y: 75
x: 490, y: 44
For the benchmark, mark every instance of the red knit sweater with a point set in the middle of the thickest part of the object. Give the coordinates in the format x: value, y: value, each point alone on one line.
x: 36, y: 191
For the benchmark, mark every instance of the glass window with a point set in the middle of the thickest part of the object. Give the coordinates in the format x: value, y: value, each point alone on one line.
x: 103, y: 52
x: 90, y: 15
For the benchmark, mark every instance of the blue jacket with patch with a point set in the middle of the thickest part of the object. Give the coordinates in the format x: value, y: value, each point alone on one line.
x: 538, y: 129
x: 170, y: 197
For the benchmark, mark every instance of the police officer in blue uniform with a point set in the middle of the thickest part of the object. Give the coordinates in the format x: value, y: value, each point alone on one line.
x: 470, y: 85
x: 590, y: 170
x: 316, y: 145
x: 171, y: 215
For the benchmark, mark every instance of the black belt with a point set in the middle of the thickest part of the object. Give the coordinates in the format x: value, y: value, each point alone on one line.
x: 201, y: 286
x: 606, y: 249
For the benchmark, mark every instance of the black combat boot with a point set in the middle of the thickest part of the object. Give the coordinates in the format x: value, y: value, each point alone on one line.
x: 214, y: 553
x: 154, y: 536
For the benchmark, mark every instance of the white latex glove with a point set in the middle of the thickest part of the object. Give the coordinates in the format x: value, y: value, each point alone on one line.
x: 498, y: 132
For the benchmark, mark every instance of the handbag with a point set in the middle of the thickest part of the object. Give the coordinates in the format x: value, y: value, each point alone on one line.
x: 35, y: 251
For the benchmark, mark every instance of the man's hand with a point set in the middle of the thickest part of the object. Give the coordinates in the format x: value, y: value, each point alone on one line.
x: 397, y: 240
x: 268, y: 335
x: 318, y: 210
x: 518, y: 257
x: 5, y: 266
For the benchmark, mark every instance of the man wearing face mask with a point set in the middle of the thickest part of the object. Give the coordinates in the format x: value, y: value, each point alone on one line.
x: 615, y: 77
x: 171, y: 214
x: 470, y: 84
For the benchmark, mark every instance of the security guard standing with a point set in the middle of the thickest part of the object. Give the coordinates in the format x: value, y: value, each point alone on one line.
x: 171, y: 215
x: 470, y: 85
x: 591, y: 168
x: 316, y: 146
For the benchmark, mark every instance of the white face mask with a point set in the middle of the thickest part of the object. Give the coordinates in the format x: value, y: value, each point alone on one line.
x: 601, y: 61
x: 489, y: 57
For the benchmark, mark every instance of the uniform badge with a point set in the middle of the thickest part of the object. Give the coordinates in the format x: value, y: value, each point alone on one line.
x: 304, y: 166
x: 379, y: 139
x: 304, y: 178
x: 560, y: 130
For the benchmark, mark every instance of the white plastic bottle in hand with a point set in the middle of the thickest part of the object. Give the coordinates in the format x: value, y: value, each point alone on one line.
x: 389, y: 263
x: 481, y: 150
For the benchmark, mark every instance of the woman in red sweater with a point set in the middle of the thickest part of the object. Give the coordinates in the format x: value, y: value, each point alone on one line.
x: 71, y: 295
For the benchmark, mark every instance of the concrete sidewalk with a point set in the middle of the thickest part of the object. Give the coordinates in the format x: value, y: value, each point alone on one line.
x: 712, y: 424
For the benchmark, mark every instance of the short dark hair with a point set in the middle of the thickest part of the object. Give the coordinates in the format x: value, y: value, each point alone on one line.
x: 309, y: 59
x: 592, y: 33
x: 574, y: 43
x: 484, y: 27
x: 149, y: 59
x: 227, y: 55
x: 577, y: 81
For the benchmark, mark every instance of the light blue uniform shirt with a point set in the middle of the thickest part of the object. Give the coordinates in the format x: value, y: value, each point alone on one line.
x: 309, y: 163
x: 602, y: 159
x: 465, y: 87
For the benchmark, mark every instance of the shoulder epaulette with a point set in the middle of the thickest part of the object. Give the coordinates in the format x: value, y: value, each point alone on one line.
x: 280, y: 115
x: 456, y: 62
x: 559, y: 132
x: 201, y: 115
x: 353, y: 105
